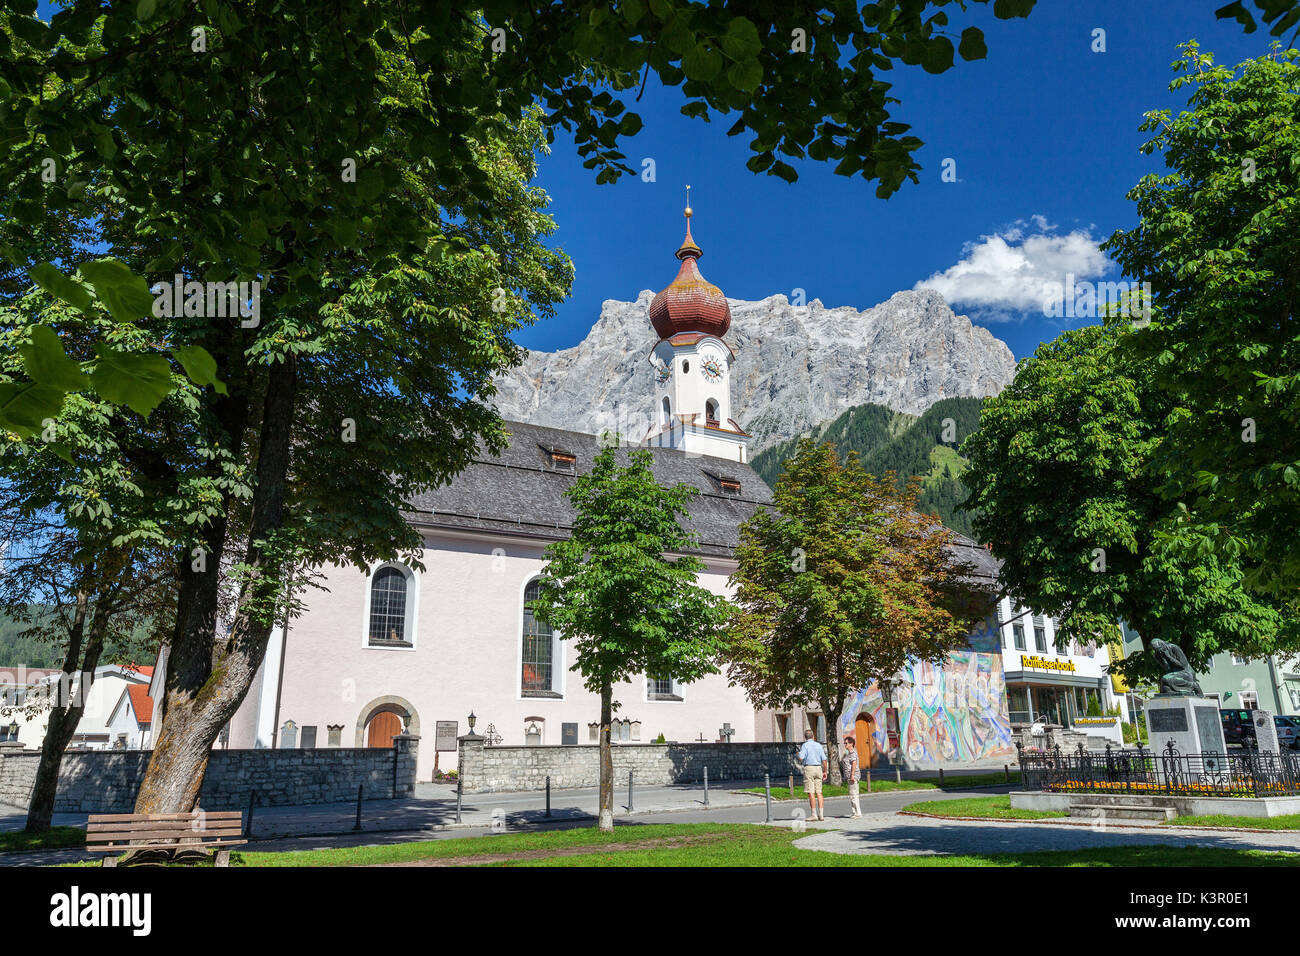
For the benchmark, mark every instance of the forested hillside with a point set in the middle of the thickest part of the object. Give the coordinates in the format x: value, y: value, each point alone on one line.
x: 905, y: 444
x: 17, y: 649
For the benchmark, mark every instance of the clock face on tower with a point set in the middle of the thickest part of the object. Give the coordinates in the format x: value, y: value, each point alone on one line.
x: 711, y: 369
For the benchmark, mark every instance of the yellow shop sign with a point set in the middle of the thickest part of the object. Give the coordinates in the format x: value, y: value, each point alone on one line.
x: 1043, y: 664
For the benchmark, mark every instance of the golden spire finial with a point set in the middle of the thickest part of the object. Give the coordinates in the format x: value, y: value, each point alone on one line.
x: 688, y: 202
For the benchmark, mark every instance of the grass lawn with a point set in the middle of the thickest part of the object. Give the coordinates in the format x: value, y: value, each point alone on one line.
x: 55, y: 838
x: 1290, y: 821
x: 1000, y: 808
x: 712, y: 844
x: 997, y: 807
x: 708, y: 844
x: 885, y: 785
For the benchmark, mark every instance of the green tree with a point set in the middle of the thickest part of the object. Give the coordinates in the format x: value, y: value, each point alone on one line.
x: 622, y: 589
x: 88, y: 566
x: 368, y: 166
x: 842, y: 584
x: 65, y: 114
x: 1217, y: 239
x: 364, y: 377
x: 89, y: 601
x: 1060, y: 472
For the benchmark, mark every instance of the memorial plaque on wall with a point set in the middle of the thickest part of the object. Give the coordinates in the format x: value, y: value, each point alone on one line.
x: 569, y: 735
x: 1210, y: 727
x: 1167, y: 721
x: 445, y: 735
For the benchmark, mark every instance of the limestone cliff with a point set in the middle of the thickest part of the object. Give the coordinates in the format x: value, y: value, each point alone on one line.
x: 796, y: 366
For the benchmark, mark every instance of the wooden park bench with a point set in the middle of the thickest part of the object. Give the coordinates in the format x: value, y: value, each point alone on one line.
x: 195, y: 832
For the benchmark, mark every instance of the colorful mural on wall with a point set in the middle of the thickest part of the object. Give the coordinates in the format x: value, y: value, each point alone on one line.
x: 946, y: 714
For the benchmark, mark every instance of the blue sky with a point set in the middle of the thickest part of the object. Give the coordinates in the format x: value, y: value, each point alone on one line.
x: 1045, y: 137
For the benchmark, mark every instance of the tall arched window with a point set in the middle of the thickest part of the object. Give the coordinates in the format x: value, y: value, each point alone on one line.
x: 539, y: 676
x: 667, y: 411
x: 711, y: 411
x: 388, y: 624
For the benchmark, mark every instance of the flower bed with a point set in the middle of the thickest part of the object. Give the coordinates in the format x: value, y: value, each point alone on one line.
x: 1172, y: 789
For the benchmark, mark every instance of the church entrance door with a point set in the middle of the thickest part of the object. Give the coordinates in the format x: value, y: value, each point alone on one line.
x: 383, y: 727
x: 863, y: 740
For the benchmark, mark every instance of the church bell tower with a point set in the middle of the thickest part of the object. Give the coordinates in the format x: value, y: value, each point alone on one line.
x: 692, y: 363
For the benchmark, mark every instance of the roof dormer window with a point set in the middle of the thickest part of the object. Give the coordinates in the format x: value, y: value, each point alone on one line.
x: 560, y: 457
x: 726, y: 483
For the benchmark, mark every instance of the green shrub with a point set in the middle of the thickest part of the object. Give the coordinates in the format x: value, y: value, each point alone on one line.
x: 1134, y: 733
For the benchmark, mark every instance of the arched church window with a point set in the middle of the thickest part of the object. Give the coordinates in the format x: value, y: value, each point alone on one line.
x: 711, y: 412
x: 388, y: 608
x: 539, y: 676
x: 668, y: 411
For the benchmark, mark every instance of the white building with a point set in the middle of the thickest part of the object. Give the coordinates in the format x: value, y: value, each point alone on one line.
x: 105, y: 690
x: 131, y: 720
x: 1045, y: 684
x: 393, y: 648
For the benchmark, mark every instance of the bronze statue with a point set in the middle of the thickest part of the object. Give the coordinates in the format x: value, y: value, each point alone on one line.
x: 1177, y: 679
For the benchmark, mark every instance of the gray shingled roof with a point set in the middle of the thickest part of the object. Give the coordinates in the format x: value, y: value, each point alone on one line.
x: 521, y: 490
x: 985, y: 568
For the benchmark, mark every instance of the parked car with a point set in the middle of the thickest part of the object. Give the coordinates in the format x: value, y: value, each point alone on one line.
x: 1288, y: 731
x: 1237, y: 729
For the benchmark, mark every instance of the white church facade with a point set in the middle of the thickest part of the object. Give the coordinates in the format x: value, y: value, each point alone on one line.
x: 393, y: 648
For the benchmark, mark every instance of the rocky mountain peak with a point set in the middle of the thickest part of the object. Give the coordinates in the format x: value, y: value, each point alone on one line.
x: 796, y: 365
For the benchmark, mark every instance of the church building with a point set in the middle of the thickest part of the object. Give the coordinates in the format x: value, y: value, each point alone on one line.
x: 393, y: 648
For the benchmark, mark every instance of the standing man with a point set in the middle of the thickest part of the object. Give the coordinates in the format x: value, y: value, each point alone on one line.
x: 812, y: 756
x: 850, y: 771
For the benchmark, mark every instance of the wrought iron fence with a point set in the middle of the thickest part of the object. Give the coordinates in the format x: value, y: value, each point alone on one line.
x: 1248, y: 773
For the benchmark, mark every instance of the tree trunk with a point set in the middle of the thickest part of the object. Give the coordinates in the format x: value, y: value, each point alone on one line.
x: 207, y: 677
x: 606, y: 821
x: 833, y: 743
x: 63, y: 723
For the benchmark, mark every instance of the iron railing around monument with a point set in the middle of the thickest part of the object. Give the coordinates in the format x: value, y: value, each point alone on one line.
x: 1248, y: 773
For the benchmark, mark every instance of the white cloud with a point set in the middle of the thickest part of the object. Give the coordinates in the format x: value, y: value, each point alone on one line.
x: 1015, y: 270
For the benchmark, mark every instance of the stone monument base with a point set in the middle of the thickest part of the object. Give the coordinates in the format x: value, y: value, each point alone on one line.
x: 1265, y: 731
x: 1192, y: 724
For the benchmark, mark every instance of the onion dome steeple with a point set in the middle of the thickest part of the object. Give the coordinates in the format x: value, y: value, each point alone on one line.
x: 690, y: 303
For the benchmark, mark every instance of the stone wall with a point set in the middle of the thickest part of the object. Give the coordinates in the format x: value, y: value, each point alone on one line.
x: 501, y: 769
x: 106, y: 781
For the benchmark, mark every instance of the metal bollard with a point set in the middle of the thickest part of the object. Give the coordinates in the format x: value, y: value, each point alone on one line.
x: 940, y: 776
x: 706, y: 786
x: 791, y: 786
x: 868, y: 780
x: 1006, y: 769
x: 629, y: 791
x: 767, y: 791
x: 357, y: 825
x: 459, y: 791
x: 548, y: 794
x: 898, y: 773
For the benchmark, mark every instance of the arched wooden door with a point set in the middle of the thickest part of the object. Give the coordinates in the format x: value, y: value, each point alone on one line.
x: 863, y: 739
x: 383, y: 727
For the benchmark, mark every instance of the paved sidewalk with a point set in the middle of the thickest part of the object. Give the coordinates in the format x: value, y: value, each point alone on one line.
x: 897, y: 835
x: 431, y: 814
x: 431, y: 810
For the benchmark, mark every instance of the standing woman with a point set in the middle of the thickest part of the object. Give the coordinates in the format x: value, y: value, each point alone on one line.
x: 850, y: 771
